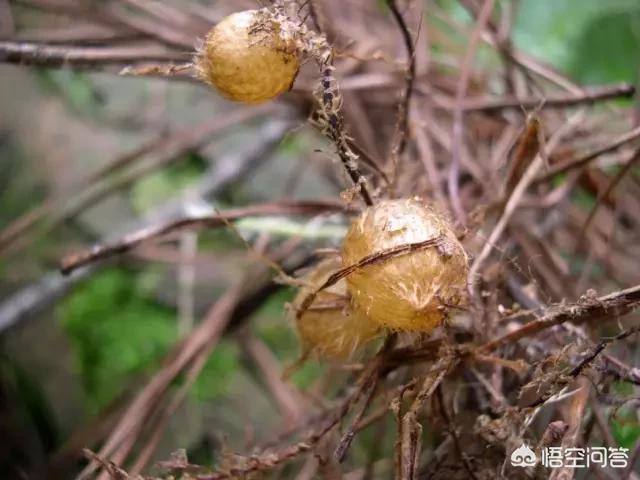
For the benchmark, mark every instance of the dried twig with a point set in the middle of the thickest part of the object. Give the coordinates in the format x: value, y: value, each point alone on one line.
x: 572, y: 436
x: 597, y: 350
x: 121, y: 171
x: 402, y: 128
x: 128, y: 242
x: 122, y: 439
x: 454, y: 434
x: 364, y: 262
x: 60, y: 56
x: 332, y: 123
x: 411, y: 430
x: 287, y: 399
x: 515, y: 198
x: 457, y: 135
x: 611, y: 305
x: 346, y: 439
x: 589, y: 157
x: 589, y: 95
x: 635, y: 158
x: 269, y: 461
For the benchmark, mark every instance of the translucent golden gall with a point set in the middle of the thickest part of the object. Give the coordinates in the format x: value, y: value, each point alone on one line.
x: 414, y: 291
x: 248, y: 57
x: 329, y: 328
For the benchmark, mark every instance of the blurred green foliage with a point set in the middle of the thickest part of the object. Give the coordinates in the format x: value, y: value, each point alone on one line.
x: 608, y: 49
x: 218, y: 372
x: 74, y: 87
x: 157, y: 187
x: 117, y: 331
x: 276, y: 331
x: 626, y: 432
x: 20, y: 189
x: 594, y: 41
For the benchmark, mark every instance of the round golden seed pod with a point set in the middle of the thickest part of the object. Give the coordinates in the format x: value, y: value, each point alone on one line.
x: 248, y: 57
x: 412, y: 291
x: 329, y: 328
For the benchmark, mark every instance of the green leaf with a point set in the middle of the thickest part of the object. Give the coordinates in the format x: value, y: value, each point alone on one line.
x: 607, y: 49
x: 116, y: 331
x: 626, y: 432
x: 594, y: 40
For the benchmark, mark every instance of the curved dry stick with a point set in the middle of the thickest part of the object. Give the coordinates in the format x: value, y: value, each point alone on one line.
x: 589, y: 157
x: 515, y: 198
x: 597, y: 350
x: 605, y: 194
x: 364, y: 262
x: 402, y: 130
x: 128, y: 242
x: 457, y: 133
x: 410, y: 440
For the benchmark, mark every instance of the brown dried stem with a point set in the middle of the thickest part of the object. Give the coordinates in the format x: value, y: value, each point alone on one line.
x: 332, y: 123
x: 364, y: 262
x: 410, y: 428
x: 457, y: 134
x: 71, y: 56
x: 589, y: 95
x: 606, y: 193
x: 402, y: 128
x: 612, y: 305
x: 346, y: 439
x: 268, y: 461
x: 101, y: 252
x: 584, y: 160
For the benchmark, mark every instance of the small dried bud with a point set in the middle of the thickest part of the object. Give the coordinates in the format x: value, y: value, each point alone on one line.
x: 329, y: 328
x: 249, y: 57
x: 411, y: 291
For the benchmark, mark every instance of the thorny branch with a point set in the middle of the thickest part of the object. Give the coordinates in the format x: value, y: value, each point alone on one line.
x: 332, y: 122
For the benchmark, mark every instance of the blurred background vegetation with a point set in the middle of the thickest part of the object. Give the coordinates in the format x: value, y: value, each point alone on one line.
x: 68, y: 364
